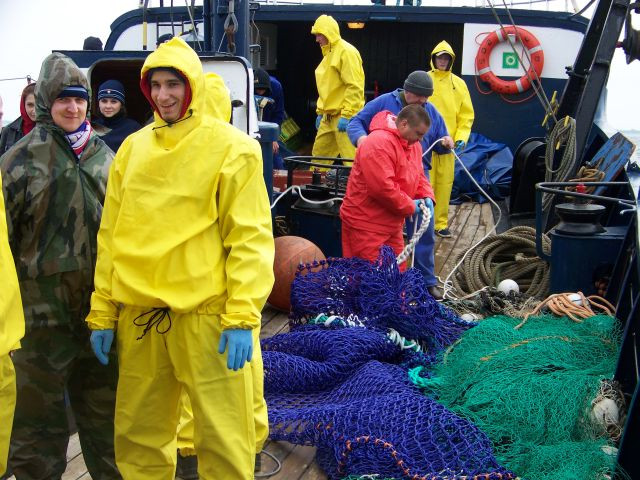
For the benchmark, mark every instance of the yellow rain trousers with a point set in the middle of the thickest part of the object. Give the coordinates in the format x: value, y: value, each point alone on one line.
x: 340, y: 83
x: 261, y: 419
x: 332, y: 143
x: 451, y: 98
x: 218, y: 102
x: 186, y: 227
x: 11, y: 331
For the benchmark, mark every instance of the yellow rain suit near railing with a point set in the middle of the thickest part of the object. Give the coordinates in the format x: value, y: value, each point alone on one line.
x: 340, y: 83
x: 11, y: 331
x: 451, y: 98
x: 218, y: 103
x: 186, y: 227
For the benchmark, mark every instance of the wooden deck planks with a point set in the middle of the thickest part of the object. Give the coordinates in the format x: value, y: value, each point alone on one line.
x: 468, y: 222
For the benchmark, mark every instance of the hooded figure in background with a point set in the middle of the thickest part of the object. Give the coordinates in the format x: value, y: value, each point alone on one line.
x: 185, y: 265
x: 24, y: 123
x: 112, y: 114
x: 54, y: 183
x: 340, y: 83
x: 451, y: 98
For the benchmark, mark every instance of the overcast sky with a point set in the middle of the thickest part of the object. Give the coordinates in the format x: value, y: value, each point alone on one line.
x: 30, y: 29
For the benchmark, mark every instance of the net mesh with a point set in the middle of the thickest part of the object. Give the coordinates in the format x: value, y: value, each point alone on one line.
x: 342, y: 389
x: 530, y: 390
x: 498, y: 399
x: 379, y: 295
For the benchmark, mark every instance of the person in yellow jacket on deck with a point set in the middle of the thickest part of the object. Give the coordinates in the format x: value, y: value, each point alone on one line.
x: 451, y: 98
x: 218, y: 104
x: 185, y: 264
x: 11, y: 331
x: 340, y: 83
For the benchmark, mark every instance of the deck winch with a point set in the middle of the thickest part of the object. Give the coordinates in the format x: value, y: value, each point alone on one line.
x: 583, y: 252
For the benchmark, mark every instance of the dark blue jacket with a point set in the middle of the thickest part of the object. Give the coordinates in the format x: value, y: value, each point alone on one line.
x: 275, y: 112
x: 121, y: 127
x: 359, y: 124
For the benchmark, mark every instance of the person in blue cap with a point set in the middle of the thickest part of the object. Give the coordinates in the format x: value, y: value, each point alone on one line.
x: 265, y: 85
x: 113, y: 114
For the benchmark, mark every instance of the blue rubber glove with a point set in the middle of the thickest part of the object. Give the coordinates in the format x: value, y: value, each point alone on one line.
x: 318, y: 120
x: 342, y: 124
x: 101, y: 341
x: 429, y: 203
x: 240, y: 343
x: 459, y: 146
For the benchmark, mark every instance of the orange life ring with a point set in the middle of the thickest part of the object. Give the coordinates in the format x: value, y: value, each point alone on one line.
x: 514, y: 86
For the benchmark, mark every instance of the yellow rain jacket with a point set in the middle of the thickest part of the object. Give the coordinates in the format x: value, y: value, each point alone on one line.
x: 11, y: 331
x: 11, y: 313
x: 339, y: 76
x: 186, y: 226
x: 451, y: 97
x: 186, y: 222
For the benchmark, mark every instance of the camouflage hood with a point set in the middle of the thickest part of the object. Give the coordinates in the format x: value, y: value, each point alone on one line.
x: 54, y: 204
x: 56, y: 73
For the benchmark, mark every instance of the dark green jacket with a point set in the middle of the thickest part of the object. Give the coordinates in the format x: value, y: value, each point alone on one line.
x: 54, y: 203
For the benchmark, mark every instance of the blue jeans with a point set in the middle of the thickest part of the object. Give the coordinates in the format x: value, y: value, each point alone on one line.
x: 424, y: 252
x: 423, y: 255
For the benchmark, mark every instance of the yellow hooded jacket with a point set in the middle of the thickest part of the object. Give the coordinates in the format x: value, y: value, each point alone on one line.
x: 451, y: 97
x: 218, y: 98
x: 186, y: 221
x: 339, y: 76
x: 11, y: 313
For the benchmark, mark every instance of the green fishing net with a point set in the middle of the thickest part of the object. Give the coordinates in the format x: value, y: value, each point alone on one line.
x: 530, y: 390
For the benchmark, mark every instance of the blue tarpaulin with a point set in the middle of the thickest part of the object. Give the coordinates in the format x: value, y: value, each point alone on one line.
x: 490, y: 163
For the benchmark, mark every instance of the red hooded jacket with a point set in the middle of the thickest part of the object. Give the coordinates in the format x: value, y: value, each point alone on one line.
x: 386, y: 177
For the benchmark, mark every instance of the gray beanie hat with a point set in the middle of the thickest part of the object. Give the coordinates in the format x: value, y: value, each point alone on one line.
x: 419, y: 83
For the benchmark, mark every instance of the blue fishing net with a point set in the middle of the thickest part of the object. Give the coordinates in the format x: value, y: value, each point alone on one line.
x: 379, y: 295
x: 343, y: 391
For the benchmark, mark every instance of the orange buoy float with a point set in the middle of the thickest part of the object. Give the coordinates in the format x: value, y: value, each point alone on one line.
x: 523, y: 83
x: 290, y: 252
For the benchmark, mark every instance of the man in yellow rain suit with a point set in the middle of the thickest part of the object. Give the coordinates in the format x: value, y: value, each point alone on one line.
x: 218, y: 104
x: 451, y: 98
x: 340, y: 83
x: 185, y: 264
x: 11, y: 331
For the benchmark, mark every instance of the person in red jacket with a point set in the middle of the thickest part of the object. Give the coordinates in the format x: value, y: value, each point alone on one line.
x: 386, y: 184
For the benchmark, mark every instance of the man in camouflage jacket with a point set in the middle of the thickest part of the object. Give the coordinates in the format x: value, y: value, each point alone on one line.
x: 54, y: 197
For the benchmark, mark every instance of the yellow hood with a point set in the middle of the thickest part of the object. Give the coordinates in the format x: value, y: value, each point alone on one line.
x: 443, y: 46
x: 217, y: 97
x: 178, y: 55
x: 327, y: 26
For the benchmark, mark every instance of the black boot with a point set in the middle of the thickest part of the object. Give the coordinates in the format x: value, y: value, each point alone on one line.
x: 187, y: 467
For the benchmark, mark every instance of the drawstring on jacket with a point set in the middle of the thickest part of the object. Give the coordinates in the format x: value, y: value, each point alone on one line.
x: 158, y: 315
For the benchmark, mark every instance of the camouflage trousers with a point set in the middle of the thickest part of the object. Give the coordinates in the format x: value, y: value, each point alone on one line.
x: 51, y: 360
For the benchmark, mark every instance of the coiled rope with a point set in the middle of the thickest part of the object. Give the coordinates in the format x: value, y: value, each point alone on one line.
x: 511, y: 254
x: 564, y: 132
x: 573, y: 305
x: 585, y: 176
